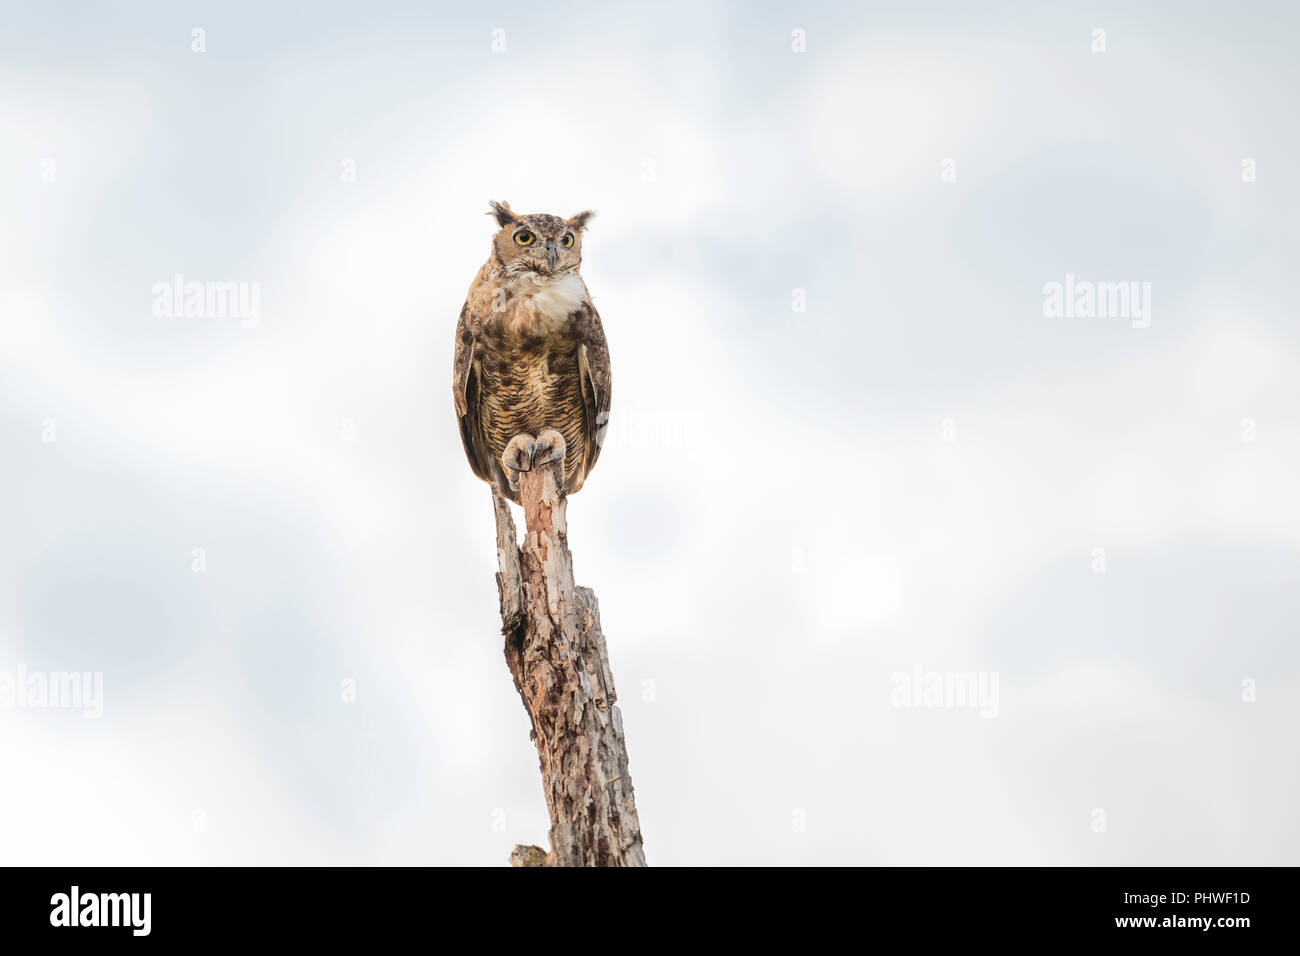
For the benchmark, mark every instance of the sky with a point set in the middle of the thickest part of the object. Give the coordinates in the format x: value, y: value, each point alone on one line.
x: 897, y: 563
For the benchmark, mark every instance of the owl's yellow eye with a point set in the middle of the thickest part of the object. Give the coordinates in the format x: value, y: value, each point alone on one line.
x: 567, y: 241
x: 524, y: 238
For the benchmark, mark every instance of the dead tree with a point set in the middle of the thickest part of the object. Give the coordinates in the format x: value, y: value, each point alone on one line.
x: 557, y: 656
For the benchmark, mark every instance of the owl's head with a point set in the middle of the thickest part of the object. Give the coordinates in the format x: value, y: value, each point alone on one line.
x: 538, y: 242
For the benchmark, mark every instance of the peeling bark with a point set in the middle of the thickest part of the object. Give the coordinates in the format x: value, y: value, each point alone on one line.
x: 557, y: 656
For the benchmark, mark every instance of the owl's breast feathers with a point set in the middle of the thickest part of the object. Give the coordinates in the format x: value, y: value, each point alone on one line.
x: 530, y: 355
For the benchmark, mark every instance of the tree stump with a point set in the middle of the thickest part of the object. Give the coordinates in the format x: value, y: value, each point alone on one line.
x: 560, y: 665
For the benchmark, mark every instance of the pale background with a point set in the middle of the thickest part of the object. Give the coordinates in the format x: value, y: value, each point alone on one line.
x: 777, y: 524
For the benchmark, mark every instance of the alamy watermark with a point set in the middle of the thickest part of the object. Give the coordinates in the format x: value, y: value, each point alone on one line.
x: 128, y: 910
x: 645, y: 427
x: 976, y: 690
x: 1085, y: 299
x: 54, y: 690
x: 179, y: 299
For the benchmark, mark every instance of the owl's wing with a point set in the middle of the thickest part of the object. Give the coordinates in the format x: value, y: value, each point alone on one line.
x: 464, y: 392
x: 593, y: 367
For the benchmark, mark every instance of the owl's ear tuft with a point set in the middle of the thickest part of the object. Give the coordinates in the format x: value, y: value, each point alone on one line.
x: 502, y: 212
x: 579, y: 222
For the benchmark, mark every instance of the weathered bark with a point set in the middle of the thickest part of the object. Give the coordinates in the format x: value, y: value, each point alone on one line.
x: 557, y: 656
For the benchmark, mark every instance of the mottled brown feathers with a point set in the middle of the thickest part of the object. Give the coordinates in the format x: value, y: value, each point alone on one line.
x: 502, y: 212
x: 530, y: 350
x: 579, y: 222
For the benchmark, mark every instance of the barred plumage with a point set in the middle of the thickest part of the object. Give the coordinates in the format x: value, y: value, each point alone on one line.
x: 530, y: 350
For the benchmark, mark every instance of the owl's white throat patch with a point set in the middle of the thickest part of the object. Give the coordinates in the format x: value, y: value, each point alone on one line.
x: 549, y: 302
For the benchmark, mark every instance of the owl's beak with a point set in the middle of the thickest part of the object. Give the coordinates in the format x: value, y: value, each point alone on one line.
x: 550, y: 252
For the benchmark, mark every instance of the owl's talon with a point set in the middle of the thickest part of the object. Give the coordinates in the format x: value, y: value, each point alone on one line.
x: 518, y: 455
x: 550, y: 447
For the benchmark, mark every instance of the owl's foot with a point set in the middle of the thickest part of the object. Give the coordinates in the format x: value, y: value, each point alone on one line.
x: 518, y: 455
x: 550, y: 447
x: 524, y: 451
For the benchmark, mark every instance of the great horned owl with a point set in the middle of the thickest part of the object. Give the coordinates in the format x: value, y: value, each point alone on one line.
x: 531, y: 377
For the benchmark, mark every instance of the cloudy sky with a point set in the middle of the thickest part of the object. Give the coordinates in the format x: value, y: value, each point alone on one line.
x: 852, y: 454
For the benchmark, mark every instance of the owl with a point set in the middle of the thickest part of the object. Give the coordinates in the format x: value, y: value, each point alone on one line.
x: 531, y: 380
